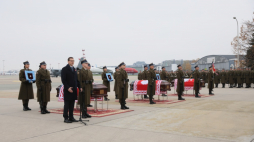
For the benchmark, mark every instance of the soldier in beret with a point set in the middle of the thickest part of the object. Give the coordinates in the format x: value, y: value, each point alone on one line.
x: 85, y: 79
x: 43, y: 83
x: 115, y: 84
x: 122, y: 84
x: 105, y: 80
x: 197, y: 77
x: 151, y: 77
x: 26, y: 87
x: 144, y: 76
x: 180, y: 82
x: 210, y: 80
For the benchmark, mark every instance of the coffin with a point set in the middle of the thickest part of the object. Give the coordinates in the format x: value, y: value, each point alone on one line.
x: 164, y: 86
x: 99, y: 90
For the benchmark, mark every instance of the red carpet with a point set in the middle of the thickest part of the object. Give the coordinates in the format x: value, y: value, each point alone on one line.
x: 157, y: 101
x: 191, y: 95
x: 99, y: 113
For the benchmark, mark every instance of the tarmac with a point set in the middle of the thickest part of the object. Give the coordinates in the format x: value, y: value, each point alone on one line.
x: 225, y: 117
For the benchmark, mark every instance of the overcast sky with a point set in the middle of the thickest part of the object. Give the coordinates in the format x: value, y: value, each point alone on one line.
x: 112, y: 31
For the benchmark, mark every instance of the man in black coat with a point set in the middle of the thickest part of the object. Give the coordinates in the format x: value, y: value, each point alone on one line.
x: 70, y: 81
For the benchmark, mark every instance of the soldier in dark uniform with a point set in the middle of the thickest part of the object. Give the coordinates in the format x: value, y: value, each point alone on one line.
x: 105, y: 81
x: 231, y: 77
x: 86, y: 80
x: 43, y: 83
x: 151, y: 83
x: 210, y: 80
x: 203, y: 75
x: 187, y: 74
x: 26, y: 87
x: 164, y: 76
x: 197, y: 77
x: 122, y: 84
x: 115, y: 84
x: 140, y: 75
x: 235, y: 78
x: 180, y: 82
x: 239, y: 77
x: 247, y: 75
x: 223, y: 76
x: 216, y: 78
x: 144, y: 77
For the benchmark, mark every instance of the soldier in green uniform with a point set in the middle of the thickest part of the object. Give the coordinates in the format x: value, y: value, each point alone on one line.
x: 151, y: 77
x: 86, y: 80
x: 235, y: 77
x: 43, y: 83
x: 115, y: 84
x: 90, y: 77
x: 203, y: 75
x: 247, y: 75
x: 122, y: 84
x: 140, y: 75
x: 187, y: 74
x: 210, y: 80
x: 180, y: 82
x: 197, y: 77
x: 206, y: 76
x: 216, y: 78
x: 105, y: 80
x: 231, y: 77
x: 223, y: 76
x: 144, y: 76
x: 239, y: 77
x: 26, y: 87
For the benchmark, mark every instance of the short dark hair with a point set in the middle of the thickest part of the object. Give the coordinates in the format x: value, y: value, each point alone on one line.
x: 70, y: 58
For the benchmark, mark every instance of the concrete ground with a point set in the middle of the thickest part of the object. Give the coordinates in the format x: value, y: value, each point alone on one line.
x: 226, y: 116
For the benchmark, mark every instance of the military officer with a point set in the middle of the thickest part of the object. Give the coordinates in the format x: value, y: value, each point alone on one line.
x: 210, y: 80
x: 85, y: 79
x: 90, y: 76
x: 163, y: 76
x: 144, y: 76
x: 235, y: 77
x: 216, y: 78
x: 115, y: 84
x: 239, y: 77
x: 203, y: 75
x: 223, y: 77
x: 180, y: 82
x: 43, y: 83
x: 197, y: 77
x: 140, y: 75
x: 151, y: 83
x: 247, y: 75
x: 231, y: 77
x: 122, y: 84
x: 26, y: 87
x: 105, y: 80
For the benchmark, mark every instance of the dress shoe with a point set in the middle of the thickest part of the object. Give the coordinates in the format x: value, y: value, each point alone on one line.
x: 84, y: 115
x: 89, y: 105
x: 45, y: 110
x: 73, y: 120
x: 24, y: 108
x: 87, y: 115
x: 106, y: 99
x: 67, y: 121
x: 122, y: 107
x: 145, y: 96
x: 211, y: 94
x: 152, y: 102
x: 197, y: 96
x: 163, y: 95
x: 126, y: 107
x: 27, y: 107
x: 181, y: 99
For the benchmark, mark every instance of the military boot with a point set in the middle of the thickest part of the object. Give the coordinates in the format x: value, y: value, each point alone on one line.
x: 197, y: 96
x: 24, y: 107
x: 180, y: 97
x: 231, y: 86
x: 145, y: 96
x: 45, y: 109
x: 27, y: 107
x: 151, y: 100
x: 84, y: 114
x: 88, y: 116
x: 122, y: 105
x: 210, y: 93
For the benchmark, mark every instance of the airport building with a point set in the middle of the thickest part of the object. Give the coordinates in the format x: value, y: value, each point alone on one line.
x: 220, y: 62
x: 171, y: 64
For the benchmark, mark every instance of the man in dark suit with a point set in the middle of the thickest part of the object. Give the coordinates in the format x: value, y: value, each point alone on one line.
x: 70, y: 82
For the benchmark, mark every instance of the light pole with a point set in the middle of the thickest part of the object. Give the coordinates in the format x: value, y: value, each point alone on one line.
x: 238, y: 61
x: 3, y: 67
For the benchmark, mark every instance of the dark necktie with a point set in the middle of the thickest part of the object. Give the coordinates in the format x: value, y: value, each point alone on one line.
x: 72, y: 68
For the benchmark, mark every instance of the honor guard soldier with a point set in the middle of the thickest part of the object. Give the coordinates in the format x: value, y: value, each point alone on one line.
x: 180, y: 82
x: 144, y: 76
x: 231, y: 77
x: 85, y: 79
x: 122, y: 84
x: 151, y: 77
x: 43, y: 83
x: 210, y: 80
x: 197, y: 77
x: 163, y: 76
x: 90, y: 76
x: 239, y: 77
x: 203, y: 75
x: 115, y: 84
x: 223, y: 77
x: 247, y: 75
x: 105, y: 80
x: 140, y: 75
x: 216, y: 78
x: 26, y: 87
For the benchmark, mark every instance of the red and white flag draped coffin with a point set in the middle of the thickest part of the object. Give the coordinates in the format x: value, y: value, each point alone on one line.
x: 188, y: 83
x: 139, y: 87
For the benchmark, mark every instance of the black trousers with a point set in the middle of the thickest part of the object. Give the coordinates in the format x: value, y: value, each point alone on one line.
x: 68, y: 106
x: 196, y: 89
